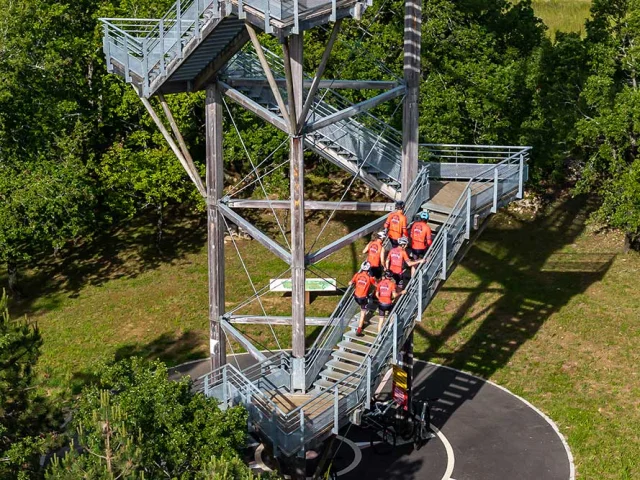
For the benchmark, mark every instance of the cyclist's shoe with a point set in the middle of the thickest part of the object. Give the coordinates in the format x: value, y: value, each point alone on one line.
x: 359, y: 332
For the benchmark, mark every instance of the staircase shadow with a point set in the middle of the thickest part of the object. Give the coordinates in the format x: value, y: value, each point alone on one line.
x: 536, y: 278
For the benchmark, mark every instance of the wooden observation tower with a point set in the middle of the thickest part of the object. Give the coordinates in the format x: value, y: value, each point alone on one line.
x: 298, y: 399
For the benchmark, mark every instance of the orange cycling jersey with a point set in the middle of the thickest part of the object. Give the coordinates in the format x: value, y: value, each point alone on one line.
x: 397, y: 257
x: 362, y: 282
x: 374, y: 249
x: 420, y: 235
x: 396, y: 224
x: 385, y: 291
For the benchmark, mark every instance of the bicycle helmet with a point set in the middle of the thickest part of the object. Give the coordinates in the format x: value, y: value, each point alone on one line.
x: 399, y: 205
x: 365, y: 266
x: 381, y: 235
x: 403, y: 241
x: 424, y: 215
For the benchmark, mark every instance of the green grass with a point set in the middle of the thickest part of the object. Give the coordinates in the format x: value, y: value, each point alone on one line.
x: 562, y: 15
x: 540, y: 305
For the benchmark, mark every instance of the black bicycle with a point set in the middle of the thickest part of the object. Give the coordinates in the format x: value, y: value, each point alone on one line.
x: 379, y: 419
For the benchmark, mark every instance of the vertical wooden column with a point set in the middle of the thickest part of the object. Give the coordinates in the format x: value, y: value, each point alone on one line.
x: 410, y: 113
x: 297, y: 216
x: 215, y: 224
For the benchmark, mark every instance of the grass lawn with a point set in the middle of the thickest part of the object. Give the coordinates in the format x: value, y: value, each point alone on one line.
x: 540, y: 305
x: 563, y: 15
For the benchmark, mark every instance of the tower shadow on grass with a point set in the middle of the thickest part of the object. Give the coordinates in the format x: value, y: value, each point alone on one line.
x: 170, y: 348
x: 536, y: 278
x: 123, y: 252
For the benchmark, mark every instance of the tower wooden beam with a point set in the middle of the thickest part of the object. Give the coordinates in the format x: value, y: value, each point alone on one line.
x: 215, y: 224
x: 410, y: 113
x: 297, y: 217
x: 269, y: 74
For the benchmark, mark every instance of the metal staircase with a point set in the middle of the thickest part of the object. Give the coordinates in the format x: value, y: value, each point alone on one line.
x: 343, y: 370
x: 371, y: 151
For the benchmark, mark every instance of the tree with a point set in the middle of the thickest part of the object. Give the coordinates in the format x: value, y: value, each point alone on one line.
x: 168, y: 430
x: 610, y: 126
x: 22, y: 411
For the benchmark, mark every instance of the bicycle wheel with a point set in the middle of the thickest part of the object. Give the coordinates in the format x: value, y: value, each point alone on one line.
x: 405, y: 428
x: 383, y: 441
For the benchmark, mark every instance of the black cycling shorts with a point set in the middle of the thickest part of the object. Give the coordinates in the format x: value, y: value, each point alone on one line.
x: 362, y: 301
x: 385, y: 307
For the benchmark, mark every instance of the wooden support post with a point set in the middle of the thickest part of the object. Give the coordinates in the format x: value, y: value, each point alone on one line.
x: 215, y: 224
x: 410, y: 113
x: 297, y: 219
x: 268, y: 73
x: 181, y: 143
x: 174, y: 147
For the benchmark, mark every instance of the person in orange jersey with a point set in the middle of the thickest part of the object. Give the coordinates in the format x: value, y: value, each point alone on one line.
x: 420, y: 236
x: 396, y: 224
x: 375, y: 255
x: 363, y: 283
x: 398, y: 260
x: 385, y: 294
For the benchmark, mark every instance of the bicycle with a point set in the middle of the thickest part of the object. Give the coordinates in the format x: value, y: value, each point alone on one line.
x: 383, y: 437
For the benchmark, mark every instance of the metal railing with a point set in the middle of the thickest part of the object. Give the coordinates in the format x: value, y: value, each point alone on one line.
x: 463, y: 162
x: 328, y: 410
x: 144, y: 48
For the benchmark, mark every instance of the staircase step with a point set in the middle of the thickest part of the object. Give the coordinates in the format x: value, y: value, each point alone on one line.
x: 337, y: 376
x: 341, y: 355
x: 342, y: 366
x: 356, y: 347
x: 438, y: 218
x: 434, y: 207
x: 323, y: 384
x: 369, y: 340
x: 371, y: 329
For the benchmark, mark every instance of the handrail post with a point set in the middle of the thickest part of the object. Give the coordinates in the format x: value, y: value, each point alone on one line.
x: 225, y: 398
x: 445, y: 241
x: 296, y: 19
x: 336, y: 418
x: 467, y: 234
x: 206, y: 385
x: 162, y: 72
x: 420, y: 281
x: 302, y: 426
x: 127, y: 76
x: 494, y: 208
x: 241, y: 13
x: 521, y: 177
x: 179, y: 26
x: 368, y: 402
x: 395, y: 338
x: 267, y: 17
